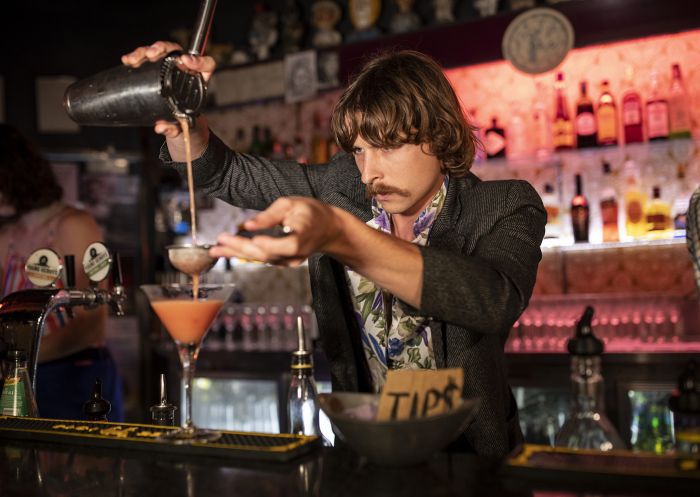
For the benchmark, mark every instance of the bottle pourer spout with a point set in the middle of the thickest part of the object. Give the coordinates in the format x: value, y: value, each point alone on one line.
x: 300, y: 334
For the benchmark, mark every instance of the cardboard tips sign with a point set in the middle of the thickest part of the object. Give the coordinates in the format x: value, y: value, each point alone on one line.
x: 411, y: 393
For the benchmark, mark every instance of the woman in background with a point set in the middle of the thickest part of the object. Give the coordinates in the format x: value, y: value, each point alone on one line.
x: 72, y: 352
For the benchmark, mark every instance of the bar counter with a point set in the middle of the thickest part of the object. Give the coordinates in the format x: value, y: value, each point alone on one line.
x: 31, y: 468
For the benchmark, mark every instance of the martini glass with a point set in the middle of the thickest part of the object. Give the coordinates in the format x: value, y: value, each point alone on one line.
x: 187, y: 320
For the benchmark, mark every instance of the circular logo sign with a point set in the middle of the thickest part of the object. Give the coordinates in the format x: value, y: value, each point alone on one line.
x: 43, y: 267
x: 96, y: 262
x: 538, y: 40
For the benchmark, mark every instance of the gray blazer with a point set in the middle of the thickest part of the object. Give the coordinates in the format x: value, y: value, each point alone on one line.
x: 479, y: 271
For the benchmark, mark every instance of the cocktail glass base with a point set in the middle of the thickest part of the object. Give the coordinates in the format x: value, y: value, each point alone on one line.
x: 188, y: 436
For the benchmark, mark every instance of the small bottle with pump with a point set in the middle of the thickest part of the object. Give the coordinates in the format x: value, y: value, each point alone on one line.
x: 17, y: 398
x: 302, y: 403
x: 587, y: 426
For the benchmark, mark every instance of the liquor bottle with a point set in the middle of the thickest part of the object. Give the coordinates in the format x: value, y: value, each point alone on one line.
x: 587, y: 426
x: 550, y: 199
x: 607, y: 116
x: 17, y: 398
x: 518, y: 143
x: 585, y: 120
x: 609, y: 207
x: 96, y: 408
x: 679, y: 106
x: 635, y: 202
x: 632, y: 125
x: 495, y: 140
x: 658, y: 216
x: 302, y: 405
x: 579, y: 213
x: 542, y: 124
x: 256, y: 142
x: 657, y: 112
x: 563, y: 128
x: 319, y: 142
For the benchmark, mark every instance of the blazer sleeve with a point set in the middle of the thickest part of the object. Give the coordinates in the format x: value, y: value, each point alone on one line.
x: 487, y: 290
x: 245, y: 180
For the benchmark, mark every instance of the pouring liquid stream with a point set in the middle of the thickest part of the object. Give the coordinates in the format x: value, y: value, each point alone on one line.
x: 190, y: 186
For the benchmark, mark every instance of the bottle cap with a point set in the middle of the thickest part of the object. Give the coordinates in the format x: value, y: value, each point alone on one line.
x: 585, y: 343
x: 97, y: 408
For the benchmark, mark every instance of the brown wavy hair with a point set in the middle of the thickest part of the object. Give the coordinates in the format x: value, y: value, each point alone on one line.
x: 26, y: 179
x: 404, y: 97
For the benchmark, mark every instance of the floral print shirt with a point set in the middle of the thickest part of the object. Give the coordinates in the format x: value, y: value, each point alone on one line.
x: 408, y: 343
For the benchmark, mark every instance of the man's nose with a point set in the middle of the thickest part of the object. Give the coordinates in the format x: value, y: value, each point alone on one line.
x: 370, y: 167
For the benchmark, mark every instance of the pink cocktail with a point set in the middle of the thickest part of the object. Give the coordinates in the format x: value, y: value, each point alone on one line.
x: 187, y: 320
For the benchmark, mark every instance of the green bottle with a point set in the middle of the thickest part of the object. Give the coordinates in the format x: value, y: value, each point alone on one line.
x: 17, y: 398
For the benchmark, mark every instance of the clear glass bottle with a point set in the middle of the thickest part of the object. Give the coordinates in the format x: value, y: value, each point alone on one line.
x: 563, y: 127
x: 609, y: 206
x: 631, y: 114
x: 657, y: 111
x: 302, y: 401
x: 17, y: 398
x: 587, y: 426
x: 679, y: 106
x: 517, y: 133
x: 606, y: 116
x: 542, y: 123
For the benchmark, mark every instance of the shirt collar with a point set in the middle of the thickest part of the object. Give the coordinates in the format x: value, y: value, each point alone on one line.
x: 381, y: 219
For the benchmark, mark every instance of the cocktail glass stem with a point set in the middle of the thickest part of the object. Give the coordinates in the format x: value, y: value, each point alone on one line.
x: 188, y: 353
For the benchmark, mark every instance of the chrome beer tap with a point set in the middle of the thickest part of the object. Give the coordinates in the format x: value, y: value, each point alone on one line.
x: 23, y: 314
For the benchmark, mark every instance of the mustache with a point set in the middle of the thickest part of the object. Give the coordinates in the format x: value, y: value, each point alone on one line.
x: 372, y: 190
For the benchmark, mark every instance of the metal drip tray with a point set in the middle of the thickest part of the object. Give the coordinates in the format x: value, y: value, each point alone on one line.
x: 273, y: 447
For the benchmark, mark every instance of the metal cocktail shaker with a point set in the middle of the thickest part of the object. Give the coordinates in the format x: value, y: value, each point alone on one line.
x: 127, y: 96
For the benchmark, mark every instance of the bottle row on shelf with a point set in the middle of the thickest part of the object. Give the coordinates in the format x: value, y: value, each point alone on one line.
x: 612, y: 118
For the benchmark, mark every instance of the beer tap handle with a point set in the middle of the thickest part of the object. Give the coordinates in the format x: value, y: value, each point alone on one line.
x: 69, y: 271
x: 69, y: 278
x: 118, y: 294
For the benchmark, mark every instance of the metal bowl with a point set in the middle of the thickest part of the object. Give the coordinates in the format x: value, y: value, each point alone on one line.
x: 394, y: 443
x: 191, y: 259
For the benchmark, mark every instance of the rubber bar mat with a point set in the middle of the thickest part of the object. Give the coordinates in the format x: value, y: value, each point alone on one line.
x: 277, y: 447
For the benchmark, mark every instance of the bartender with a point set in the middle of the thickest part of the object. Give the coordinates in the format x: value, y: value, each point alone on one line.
x: 414, y: 261
x: 72, y: 352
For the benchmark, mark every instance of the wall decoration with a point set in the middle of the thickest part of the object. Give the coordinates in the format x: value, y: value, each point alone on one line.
x: 300, y: 79
x: 538, y: 40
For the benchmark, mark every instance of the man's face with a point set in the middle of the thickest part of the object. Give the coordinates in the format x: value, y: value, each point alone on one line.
x: 403, y: 179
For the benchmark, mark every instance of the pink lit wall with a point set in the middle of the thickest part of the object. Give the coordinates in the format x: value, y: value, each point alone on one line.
x: 494, y: 89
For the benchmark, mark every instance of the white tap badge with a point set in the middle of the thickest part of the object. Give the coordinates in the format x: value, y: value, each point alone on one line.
x: 43, y: 267
x: 96, y: 262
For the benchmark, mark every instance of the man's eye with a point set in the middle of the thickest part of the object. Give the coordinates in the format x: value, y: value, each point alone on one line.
x: 356, y: 150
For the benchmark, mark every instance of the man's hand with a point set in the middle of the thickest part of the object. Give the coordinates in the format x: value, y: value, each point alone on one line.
x: 171, y: 130
x: 313, y: 227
